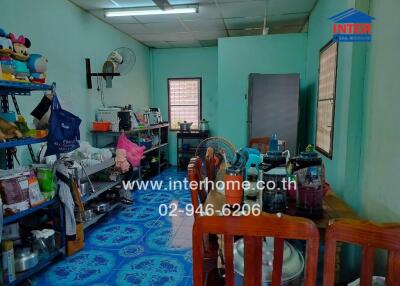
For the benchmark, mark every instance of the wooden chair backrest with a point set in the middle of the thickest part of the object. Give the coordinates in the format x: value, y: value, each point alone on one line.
x: 370, y: 236
x: 254, y: 229
x: 210, y: 167
x: 197, y: 193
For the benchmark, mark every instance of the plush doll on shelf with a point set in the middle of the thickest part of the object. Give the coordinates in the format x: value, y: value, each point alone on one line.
x: 20, y: 55
x: 7, y: 68
x: 37, y: 65
x: 121, y: 162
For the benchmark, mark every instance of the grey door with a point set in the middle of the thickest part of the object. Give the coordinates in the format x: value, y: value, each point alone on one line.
x: 274, y: 107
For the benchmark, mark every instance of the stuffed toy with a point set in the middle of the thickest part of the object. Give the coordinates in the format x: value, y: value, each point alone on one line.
x: 20, y: 55
x: 37, y: 65
x: 121, y: 162
x: 8, y: 130
x: 7, y: 68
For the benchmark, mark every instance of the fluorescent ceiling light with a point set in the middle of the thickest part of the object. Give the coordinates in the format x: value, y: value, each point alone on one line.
x: 150, y: 11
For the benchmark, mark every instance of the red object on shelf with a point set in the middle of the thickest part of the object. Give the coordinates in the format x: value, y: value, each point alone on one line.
x: 101, y: 126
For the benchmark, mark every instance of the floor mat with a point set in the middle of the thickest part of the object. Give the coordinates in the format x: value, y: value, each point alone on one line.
x: 134, y: 245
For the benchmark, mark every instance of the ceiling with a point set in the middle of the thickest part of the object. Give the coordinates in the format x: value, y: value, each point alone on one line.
x: 216, y: 19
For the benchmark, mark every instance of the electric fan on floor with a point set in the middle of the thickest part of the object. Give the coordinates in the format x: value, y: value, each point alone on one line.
x: 217, y: 154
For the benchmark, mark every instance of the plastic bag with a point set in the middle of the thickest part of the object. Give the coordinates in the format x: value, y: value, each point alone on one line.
x: 134, y: 153
x: 63, y: 130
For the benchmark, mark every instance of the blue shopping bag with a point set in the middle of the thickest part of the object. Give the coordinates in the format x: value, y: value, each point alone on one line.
x: 64, y: 133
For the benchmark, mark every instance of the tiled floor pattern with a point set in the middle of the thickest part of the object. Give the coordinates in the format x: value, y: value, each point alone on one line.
x: 134, y: 246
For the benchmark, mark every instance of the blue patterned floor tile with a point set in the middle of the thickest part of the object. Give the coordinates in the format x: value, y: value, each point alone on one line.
x: 134, y: 245
x: 151, y: 270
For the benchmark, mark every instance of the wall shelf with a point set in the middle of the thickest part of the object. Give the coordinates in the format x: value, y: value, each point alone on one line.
x: 20, y: 277
x: 22, y: 88
x: 22, y: 214
x: 133, y: 131
x: 22, y: 142
x: 100, y: 216
x: 90, y: 170
x: 100, y: 187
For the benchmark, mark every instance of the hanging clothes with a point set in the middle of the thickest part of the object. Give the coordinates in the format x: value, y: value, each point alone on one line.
x: 63, y: 174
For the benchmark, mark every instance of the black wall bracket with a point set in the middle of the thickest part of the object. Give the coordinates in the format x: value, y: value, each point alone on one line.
x: 89, y: 74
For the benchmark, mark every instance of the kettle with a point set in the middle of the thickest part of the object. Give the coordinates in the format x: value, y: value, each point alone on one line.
x: 203, y: 127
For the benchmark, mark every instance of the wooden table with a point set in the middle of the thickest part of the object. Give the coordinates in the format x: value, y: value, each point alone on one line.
x: 333, y: 207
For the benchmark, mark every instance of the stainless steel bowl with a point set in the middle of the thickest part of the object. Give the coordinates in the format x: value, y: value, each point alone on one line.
x: 25, y: 259
x: 293, y: 263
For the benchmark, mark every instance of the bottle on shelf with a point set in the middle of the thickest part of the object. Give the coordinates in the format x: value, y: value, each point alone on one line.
x: 273, y: 143
x: 8, y: 262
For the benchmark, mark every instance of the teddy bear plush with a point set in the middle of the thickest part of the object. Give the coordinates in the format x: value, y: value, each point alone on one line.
x: 121, y: 162
x: 37, y: 65
x: 6, y: 62
x: 21, y: 47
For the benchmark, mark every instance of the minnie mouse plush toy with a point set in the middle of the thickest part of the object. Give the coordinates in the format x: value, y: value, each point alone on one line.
x: 20, y: 55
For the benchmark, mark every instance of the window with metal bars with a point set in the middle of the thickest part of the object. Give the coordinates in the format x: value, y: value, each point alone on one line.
x: 326, y: 98
x: 184, y: 101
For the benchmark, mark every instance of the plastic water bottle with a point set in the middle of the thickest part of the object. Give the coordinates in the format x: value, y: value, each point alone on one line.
x: 273, y: 143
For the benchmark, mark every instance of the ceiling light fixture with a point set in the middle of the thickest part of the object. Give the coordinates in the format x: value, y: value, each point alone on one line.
x: 151, y: 11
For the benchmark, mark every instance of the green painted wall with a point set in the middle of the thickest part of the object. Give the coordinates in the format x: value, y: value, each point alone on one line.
x: 381, y: 137
x: 187, y: 62
x: 343, y: 171
x: 66, y: 35
x: 237, y: 58
x: 380, y: 161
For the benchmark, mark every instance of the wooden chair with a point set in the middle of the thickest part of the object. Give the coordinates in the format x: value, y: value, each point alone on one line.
x: 370, y: 236
x: 254, y: 228
x: 260, y: 143
x: 197, y: 193
x: 210, y: 167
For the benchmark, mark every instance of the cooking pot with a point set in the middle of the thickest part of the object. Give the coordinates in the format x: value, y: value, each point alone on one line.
x: 102, y: 208
x: 203, y: 127
x: 185, y: 126
x: 293, y: 263
x: 25, y: 259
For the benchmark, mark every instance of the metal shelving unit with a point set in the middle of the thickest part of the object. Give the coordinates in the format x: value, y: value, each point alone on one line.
x: 13, y: 89
x: 20, y: 277
x: 100, y: 188
x: 90, y: 170
x: 158, y: 148
x: 22, y: 214
x: 183, y: 154
x: 100, y: 216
